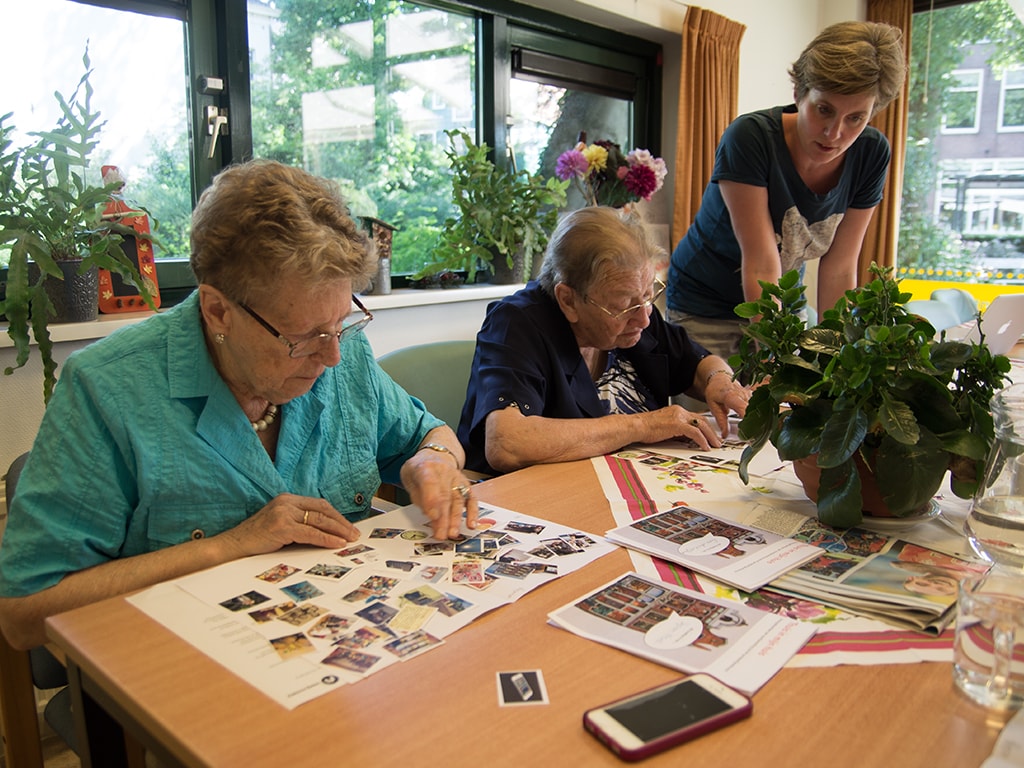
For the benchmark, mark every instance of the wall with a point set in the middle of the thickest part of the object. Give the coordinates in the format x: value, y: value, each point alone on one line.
x: 776, y: 33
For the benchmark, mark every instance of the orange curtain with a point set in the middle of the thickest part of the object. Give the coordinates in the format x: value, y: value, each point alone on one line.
x: 708, y: 99
x: 883, y: 233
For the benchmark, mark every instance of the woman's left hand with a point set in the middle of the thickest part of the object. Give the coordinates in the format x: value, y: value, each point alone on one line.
x: 438, y: 487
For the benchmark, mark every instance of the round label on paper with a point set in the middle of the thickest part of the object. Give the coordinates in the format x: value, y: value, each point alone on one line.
x: 674, y: 632
x: 705, y: 545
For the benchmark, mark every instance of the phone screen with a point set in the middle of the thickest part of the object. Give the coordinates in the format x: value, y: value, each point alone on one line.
x: 663, y: 712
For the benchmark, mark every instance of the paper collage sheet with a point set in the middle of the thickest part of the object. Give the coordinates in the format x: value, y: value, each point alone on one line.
x: 642, y: 480
x: 298, y: 622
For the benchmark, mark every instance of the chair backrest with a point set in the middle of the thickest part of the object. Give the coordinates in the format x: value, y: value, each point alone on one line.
x: 437, y: 373
x: 938, y: 313
x: 963, y: 304
x: 21, y: 672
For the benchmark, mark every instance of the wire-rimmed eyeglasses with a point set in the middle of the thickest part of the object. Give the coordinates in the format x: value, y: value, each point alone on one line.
x: 659, y: 288
x: 308, y: 346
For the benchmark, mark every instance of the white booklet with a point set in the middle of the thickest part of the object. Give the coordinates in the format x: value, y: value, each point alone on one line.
x: 686, y: 630
x: 738, y: 555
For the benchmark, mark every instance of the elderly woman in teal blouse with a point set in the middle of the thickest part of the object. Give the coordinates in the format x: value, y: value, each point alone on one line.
x: 249, y: 417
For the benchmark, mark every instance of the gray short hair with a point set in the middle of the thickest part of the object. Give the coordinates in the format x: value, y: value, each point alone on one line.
x: 589, y: 240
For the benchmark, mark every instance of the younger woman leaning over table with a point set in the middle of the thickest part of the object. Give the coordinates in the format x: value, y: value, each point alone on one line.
x: 580, y: 363
x: 249, y: 417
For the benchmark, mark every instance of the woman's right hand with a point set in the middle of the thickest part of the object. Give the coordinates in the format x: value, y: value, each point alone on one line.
x: 674, y: 422
x: 291, y: 519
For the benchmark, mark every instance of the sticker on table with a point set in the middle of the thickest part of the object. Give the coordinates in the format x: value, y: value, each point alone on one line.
x: 674, y: 632
x: 521, y: 688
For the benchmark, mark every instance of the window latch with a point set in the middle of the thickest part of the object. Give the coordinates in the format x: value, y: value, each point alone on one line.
x: 216, y: 125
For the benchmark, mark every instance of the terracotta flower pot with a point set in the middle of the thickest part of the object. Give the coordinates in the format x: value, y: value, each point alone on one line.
x: 809, y: 474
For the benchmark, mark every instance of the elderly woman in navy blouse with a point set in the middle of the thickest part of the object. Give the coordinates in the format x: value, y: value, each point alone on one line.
x: 249, y: 417
x: 580, y: 363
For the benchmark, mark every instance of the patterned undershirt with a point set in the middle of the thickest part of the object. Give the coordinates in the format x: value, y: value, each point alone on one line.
x: 621, y: 390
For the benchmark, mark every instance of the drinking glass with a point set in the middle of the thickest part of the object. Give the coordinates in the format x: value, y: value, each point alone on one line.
x: 995, y: 523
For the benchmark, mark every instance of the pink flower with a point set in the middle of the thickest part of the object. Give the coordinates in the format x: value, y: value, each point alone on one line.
x: 572, y: 164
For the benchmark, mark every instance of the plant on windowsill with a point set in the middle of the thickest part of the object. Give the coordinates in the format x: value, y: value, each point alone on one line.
x: 505, y: 217
x: 868, y: 397
x: 53, y: 228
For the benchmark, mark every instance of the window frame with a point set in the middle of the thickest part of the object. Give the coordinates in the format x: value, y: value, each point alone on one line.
x: 978, y: 96
x: 217, y: 45
x: 1001, y: 127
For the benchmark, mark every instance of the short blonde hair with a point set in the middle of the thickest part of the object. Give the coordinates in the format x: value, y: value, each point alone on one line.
x: 588, y: 241
x: 262, y: 221
x: 853, y: 57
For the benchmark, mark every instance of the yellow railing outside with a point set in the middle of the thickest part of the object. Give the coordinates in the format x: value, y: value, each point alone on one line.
x: 921, y: 282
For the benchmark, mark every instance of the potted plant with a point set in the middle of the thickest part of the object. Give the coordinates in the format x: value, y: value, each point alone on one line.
x: 869, y: 396
x: 505, y: 216
x: 52, y: 225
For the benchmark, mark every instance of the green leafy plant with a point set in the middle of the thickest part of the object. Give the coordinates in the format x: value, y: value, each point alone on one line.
x: 870, y: 382
x: 50, y: 213
x: 502, y: 213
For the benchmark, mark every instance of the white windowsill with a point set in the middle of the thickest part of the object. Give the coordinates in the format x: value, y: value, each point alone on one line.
x: 104, y: 325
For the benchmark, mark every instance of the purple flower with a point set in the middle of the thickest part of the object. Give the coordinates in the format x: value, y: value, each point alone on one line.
x: 571, y: 164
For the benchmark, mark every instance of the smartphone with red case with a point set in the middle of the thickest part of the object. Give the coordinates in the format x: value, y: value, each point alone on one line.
x: 654, y: 720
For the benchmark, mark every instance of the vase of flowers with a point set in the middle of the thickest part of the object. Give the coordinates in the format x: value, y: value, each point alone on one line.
x: 604, y: 175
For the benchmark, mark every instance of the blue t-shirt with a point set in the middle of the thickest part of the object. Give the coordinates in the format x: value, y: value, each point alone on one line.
x: 143, y: 446
x: 704, y: 274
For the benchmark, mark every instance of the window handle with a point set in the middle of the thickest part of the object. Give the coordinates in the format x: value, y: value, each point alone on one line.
x: 216, y: 125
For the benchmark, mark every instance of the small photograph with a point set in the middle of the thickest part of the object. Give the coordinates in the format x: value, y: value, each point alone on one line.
x: 243, y: 601
x: 509, y: 570
x: 414, y: 534
x: 578, y: 540
x: 292, y: 645
x: 422, y: 596
x: 481, y: 586
x: 513, y: 556
x: 363, y: 637
x: 400, y: 565
x: 263, y: 615
x: 351, y: 660
x: 329, y: 627
x: 279, y: 572
x: 428, y: 548
x: 386, y: 533
x: 373, y: 587
x: 432, y: 573
x: 561, y: 546
x: 520, y: 527
x: 328, y: 571
x: 450, y: 605
x: 302, y: 591
x: 468, y: 572
x: 358, y: 549
x: 413, y: 643
x: 470, y: 546
x: 302, y: 614
x: 544, y: 552
x: 377, y: 612
x: 518, y: 688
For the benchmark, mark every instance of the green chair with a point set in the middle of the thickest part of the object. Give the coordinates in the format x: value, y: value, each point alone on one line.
x: 963, y: 303
x: 437, y: 373
x: 940, y: 314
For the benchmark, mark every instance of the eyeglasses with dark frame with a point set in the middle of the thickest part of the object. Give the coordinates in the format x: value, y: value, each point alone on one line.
x: 659, y: 288
x: 307, y: 347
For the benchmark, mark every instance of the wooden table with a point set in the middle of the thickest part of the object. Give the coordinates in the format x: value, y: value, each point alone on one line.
x: 442, y: 708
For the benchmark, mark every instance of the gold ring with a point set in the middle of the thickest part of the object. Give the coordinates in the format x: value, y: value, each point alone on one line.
x: 305, y: 517
x: 463, y: 490
x: 695, y: 422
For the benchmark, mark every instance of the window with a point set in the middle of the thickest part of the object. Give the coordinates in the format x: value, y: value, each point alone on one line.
x: 360, y: 92
x: 1011, y: 101
x: 963, y: 102
x: 962, y: 216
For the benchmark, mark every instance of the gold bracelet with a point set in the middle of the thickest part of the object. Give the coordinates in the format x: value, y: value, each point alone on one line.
x: 715, y: 373
x: 440, y: 449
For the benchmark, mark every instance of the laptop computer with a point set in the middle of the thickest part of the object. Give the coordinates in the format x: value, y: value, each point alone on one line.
x: 1002, y: 322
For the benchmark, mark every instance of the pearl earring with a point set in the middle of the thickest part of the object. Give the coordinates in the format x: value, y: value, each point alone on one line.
x: 219, y: 338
